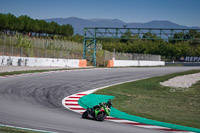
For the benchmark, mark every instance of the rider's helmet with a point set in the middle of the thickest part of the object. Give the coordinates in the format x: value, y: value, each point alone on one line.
x: 109, y: 104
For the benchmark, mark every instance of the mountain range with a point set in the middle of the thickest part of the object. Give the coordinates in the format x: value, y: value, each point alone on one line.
x: 79, y: 23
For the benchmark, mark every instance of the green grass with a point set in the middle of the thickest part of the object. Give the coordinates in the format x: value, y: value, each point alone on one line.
x: 147, y: 98
x: 14, y: 130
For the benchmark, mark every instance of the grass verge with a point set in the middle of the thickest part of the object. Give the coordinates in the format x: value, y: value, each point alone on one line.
x: 147, y: 98
x: 14, y: 130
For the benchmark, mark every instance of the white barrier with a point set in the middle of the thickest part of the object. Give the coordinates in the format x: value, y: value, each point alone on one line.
x: 125, y: 63
x: 121, y: 63
x: 151, y: 63
x: 46, y: 62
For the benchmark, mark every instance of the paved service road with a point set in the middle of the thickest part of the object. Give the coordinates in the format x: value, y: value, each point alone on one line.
x: 34, y: 101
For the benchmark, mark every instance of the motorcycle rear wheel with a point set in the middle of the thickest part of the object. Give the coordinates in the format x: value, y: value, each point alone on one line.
x: 85, y: 114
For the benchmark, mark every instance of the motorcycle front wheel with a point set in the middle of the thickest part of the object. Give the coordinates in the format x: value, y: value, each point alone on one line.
x: 101, y: 116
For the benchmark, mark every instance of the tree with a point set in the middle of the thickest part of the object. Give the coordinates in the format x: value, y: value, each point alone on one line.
x: 77, y: 38
x: 53, y: 26
x: 9, y: 22
x: 42, y: 26
x: 35, y: 26
x: 195, y: 37
x: 149, y: 36
x: 126, y: 36
x: 2, y: 21
x: 25, y: 24
x: 66, y: 30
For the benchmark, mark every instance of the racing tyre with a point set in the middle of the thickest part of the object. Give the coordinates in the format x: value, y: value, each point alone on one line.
x: 85, y: 114
x: 101, y: 116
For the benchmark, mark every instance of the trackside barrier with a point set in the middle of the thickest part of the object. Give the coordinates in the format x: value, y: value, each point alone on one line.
x: 123, y: 63
x: 41, y: 62
x: 82, y: 63
x: 110, y: 63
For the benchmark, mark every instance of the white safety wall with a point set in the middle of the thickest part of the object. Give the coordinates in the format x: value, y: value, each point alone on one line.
x: 119, y: 63
x: 151, y: 63
x: 35, y: 62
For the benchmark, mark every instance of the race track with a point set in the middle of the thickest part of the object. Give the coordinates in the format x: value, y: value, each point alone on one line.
x: 34, y: 101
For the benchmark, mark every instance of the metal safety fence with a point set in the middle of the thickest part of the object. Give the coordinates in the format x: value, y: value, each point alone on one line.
x: 10, y: 40
x: 131, y: 56
x: 38, y: 52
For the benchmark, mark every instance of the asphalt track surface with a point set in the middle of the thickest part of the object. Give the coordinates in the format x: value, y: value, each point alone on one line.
x: 34, y: 101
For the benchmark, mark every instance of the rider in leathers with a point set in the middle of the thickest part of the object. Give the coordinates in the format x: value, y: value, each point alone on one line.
x: 109, y: 104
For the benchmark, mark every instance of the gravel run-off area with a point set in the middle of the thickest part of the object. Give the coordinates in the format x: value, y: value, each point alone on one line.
x: 182, y: 81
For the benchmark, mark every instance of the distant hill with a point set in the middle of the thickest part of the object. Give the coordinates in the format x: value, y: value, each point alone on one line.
x: 79, y: 23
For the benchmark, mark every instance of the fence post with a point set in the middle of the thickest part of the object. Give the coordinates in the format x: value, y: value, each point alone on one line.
x: 70, y: 46
x: 61, y: 54
x: 29, y: 52
x: 45, y: 52
x: 104, y: 58
x: 4, y: 45
x: 21, y: 51
x: 67, y: 52
x: 12, y: 51
x: 10, y: 41
x: 3, y: 49
x: 5, y: 39
x: 113, y: 54
x: 38, y: 53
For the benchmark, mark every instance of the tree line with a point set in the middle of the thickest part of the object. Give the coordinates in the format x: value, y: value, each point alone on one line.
x: 27, y: 25
x: 172, y: 49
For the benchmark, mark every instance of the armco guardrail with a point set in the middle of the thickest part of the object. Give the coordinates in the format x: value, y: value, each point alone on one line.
x: 123, y: 63
x: 46, y: 62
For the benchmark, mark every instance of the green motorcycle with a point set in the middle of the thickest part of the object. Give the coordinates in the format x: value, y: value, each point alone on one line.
x: 98, y: 112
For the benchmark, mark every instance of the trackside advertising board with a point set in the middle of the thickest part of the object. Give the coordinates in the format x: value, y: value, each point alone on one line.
x: 190, y: 59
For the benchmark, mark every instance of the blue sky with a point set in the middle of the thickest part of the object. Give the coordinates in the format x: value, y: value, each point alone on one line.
x: 184, y: 12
